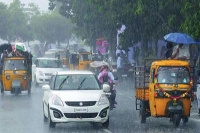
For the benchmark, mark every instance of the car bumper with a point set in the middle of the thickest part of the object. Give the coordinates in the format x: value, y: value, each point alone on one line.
x: 74, y: 114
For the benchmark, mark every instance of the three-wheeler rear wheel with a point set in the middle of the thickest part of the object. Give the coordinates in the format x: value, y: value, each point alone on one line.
x: 176, y: 120
x: 142, y: 112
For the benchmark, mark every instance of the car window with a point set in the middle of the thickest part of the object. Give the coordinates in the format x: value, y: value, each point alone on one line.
x: 49, y: 64
x: 76, y: 82
x: 52, y: 81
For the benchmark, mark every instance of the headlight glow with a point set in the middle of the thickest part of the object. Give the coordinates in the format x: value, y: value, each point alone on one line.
x: 56, y: 100
x: 103, y: 100
x: 7, y: 77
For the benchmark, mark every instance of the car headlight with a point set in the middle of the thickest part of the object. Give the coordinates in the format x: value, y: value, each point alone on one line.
x: 56, y: 100
x: 40, y: 73
x: 103, y: 100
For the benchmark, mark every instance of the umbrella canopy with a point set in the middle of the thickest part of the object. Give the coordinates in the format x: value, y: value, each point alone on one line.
x: 5, y: 46
x: 96, y: 64
x: 179, y: 38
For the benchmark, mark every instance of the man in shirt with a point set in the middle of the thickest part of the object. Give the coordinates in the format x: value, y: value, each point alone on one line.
x: 181, y: 52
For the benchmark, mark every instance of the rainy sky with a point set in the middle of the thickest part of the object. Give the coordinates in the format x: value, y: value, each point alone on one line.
x: 42, y: 4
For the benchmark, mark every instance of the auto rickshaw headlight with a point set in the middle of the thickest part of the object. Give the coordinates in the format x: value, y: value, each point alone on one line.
x: 24, y: 77
x: 7, y: 77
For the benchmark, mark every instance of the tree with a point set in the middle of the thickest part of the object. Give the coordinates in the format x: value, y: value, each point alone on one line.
x: 51, y: 27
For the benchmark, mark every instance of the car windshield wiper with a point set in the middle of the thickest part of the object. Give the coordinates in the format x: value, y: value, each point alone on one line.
x: 61, y: 84
x: 81, y: 84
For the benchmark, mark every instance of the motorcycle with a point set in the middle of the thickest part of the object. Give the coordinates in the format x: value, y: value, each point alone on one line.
x: 112, y: 94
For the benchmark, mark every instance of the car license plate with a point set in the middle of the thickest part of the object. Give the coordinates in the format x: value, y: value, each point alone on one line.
x: 124, y: 75
x: 80, y: 110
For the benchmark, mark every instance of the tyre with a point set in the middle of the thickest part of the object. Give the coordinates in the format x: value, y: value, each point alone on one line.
x: 44, y: 117
x: 106, y: 123
x: 29, y: 88
x: 51, y: 123
x: 2, y: 90
x: 16, y: 91
x: 35, y: 81
x: 142, y: 112
x: 176, y: 120
x: 185, y: 119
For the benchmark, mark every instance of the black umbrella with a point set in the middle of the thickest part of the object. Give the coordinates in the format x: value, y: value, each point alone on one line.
x: 5, y: 46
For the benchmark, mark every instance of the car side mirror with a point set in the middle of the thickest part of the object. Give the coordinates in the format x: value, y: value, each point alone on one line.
x: 46, y: 87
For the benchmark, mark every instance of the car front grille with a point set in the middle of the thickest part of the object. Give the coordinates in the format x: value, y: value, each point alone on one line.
x: 48, y: 74
x: 90, y: 103
x: 80, y: 115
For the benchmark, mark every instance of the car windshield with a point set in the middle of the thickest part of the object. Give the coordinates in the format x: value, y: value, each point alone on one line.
x: 76, y: 82
x: 49, y: 63
x: 15, y: 65
x: 173, y: 75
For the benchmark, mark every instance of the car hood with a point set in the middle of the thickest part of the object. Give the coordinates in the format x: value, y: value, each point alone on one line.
x: 79, y: 95
x: 49, y: 70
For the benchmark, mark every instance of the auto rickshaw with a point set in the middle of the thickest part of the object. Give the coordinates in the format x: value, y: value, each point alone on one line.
x: 164, y: 89
x: 63, y: 56
x: 80, y: 61
x: 16, y: 74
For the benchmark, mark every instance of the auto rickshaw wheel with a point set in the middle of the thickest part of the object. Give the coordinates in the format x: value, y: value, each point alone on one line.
x: 142, y: 112
x: 185, y: 119
x: 16, y: 91
x: 29, y: 88
x: 176, y: 120
x: 2, y: 90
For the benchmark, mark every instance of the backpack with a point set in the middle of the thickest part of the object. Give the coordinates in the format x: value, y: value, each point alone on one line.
x: 104, y: 77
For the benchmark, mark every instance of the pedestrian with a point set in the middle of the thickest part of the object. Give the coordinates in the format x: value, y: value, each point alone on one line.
x: 180, y: 51
x: 169, y: 51
x: 120, y: 53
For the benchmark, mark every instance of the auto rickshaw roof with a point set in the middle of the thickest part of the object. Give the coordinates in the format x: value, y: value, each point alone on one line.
x: 170, y: 63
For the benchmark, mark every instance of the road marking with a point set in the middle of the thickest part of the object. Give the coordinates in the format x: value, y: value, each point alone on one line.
x: 107, y: 131
x: 126, y: 96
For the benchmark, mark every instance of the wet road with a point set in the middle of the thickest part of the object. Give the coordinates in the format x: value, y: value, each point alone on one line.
x: 23, y: 114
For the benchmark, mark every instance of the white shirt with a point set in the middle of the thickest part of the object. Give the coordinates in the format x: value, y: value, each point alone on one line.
x: 184, y: 51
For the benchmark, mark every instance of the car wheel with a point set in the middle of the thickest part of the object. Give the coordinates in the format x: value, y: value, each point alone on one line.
x: 106, y: 123
x: 51, y: 123
x: 45, y: 118
x: 35, y: 81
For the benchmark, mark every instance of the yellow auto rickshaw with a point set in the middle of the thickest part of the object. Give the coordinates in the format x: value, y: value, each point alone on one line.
x: 164, y: 89
x: 16, y: 75
x: 62, y: 55
x: 80, y: 61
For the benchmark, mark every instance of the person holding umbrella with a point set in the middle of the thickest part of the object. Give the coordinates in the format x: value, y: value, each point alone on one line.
x: 181, y: 52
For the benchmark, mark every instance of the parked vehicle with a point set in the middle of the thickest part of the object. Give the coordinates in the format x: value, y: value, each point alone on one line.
x: 75, y: 96
x: 44, y: 67
x: 166, y: 91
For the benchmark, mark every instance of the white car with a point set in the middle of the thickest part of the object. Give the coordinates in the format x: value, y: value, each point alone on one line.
x: 44, y: 68
x: 75, y: 96
x: 52, y: 52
